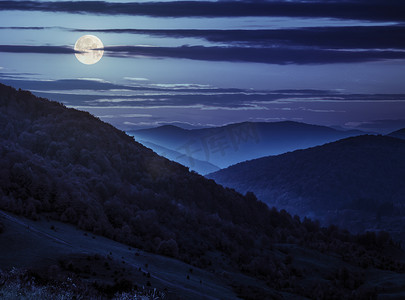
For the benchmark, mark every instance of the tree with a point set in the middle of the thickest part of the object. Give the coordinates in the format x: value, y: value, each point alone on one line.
x: 69, y: 215
x: 168, y: 248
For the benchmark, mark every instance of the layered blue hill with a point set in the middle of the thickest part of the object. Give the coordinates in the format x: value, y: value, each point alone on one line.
x: 231, y: 144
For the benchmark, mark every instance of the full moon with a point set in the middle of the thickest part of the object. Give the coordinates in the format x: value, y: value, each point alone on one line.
x: 86, y: 46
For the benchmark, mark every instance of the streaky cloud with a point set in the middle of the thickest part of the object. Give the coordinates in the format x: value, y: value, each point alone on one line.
x: 37, y: 49
x: 95, y: 93
x: 357, y: 37
x: 391, y: 10
x: 276, y: 55
x: 279, y: 55
x: 23, y: 28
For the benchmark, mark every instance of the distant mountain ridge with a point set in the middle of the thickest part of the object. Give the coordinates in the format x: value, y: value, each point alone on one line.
x: 227, y: 145
x: 357, y: 182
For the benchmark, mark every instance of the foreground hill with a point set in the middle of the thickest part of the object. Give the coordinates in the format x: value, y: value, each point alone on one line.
x: 68, y: 250
x: 64, y: 165
x: 400, y: 134
x: 231, y: 144
x: 357, y: 182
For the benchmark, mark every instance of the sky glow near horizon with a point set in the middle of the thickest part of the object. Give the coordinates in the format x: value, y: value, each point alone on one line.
x: 329, y: 65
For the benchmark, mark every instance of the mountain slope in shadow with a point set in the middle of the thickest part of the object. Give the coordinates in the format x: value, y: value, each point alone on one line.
x: 356, y: 182
x: 203, y: 167
x: 400, y: 134
x: 64, y: 165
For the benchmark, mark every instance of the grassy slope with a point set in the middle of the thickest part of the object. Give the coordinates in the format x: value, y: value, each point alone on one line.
x: 33, y: 244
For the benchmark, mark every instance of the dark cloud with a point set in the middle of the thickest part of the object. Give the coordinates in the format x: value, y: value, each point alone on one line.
x: 278, y: 55
x: 24, y: 28
x: 16, y: 74
x: 389, y: 10
x: 345, y: 37
x: 14, y: 79
x: 95, y: 85
x: 359, y: 37
x: 36, y: 49
x: 62, y: 84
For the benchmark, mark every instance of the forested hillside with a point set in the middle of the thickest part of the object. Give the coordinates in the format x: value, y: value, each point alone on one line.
x: 67, y: 165
x: 357, y: 182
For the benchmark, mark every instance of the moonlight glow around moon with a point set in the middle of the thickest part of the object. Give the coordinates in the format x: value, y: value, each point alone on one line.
x: 86, y: 45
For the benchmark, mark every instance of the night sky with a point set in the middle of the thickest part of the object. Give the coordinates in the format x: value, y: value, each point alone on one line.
x: 209, y: 63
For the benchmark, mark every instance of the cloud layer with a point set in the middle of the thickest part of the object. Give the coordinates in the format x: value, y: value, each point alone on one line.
x: 91, y: 92
x: 36, y: 49
x: 142, y: 104
x: 277, y: 55
x: 355, y: 37
x: 377, y: 10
